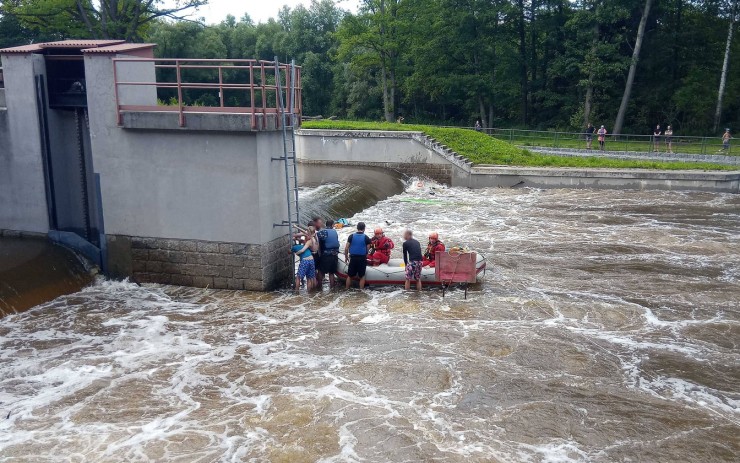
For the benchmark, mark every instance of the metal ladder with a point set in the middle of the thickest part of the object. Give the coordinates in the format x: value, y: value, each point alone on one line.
x: 287, y: 121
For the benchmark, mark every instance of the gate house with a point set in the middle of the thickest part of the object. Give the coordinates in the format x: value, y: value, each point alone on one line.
x: 169, y: 171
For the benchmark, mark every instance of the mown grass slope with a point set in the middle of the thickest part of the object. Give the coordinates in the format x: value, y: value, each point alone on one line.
x: 480, y: 148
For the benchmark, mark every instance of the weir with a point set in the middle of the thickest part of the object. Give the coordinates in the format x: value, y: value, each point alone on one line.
x: 415, y: 153
x: 167, y: 171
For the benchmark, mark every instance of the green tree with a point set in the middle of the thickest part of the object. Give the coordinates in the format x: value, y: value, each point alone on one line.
x: 104, y: 19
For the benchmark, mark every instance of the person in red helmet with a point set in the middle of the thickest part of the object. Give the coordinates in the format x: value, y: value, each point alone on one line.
x: 433, y: 246
x: 381, y: 248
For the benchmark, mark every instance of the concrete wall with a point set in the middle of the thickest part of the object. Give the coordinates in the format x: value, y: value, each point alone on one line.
x: 22, y: 186
x: 185, y: 184
x: 131, y: 72
x: 410, y: 153
x: 161, y: 182
x: 623, y: 179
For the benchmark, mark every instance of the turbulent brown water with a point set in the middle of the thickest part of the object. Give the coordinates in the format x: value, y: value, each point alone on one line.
x: 608, y: 330
x: 33, y: 271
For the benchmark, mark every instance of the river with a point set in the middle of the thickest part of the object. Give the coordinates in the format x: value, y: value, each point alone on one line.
x: 606, y: 329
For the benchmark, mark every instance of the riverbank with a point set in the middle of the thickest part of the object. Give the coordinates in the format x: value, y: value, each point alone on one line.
x: 416, y: 153
x: 480, y: 148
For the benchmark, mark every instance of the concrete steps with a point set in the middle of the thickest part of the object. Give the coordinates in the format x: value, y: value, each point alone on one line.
x: 448, y: 153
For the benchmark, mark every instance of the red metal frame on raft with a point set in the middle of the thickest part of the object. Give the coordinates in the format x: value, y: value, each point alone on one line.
x: 471, y: 274
x: 265, y: 68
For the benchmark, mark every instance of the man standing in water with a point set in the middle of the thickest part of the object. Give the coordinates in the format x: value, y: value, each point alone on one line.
x: 318, y: 224
x: 355, y: 254
x: 412, y: 258
x: 329, y: 243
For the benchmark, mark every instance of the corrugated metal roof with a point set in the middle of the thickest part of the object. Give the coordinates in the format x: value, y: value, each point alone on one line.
x: 81, y: 43
x: 37, y: 47
x: 120, y: 48
x: 23, y: 49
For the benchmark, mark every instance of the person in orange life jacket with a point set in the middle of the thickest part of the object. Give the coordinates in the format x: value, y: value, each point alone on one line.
x: 355, y: 254
x: 433, y: 246
x: 380, y: 249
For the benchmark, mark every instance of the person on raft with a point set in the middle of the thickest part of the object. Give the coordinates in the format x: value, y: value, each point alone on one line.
x: 380, y: 248
x: 433, y: 246
x: 355, y: 253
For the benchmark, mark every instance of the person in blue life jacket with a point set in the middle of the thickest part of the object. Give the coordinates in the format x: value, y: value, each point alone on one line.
x: 306, y: 266
x: 355, y: 253
x: 329, y: 245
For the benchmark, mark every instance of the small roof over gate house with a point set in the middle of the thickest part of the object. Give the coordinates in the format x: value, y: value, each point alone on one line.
x: 86, y: 46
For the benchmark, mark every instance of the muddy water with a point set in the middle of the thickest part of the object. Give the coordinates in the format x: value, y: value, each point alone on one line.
x: 34, y: 271
x: 607, y: 331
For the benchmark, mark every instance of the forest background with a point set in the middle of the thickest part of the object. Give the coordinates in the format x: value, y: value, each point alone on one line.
x: 537, y: 64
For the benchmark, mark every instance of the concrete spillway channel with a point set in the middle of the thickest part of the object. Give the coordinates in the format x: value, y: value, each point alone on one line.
x: 34, y: 271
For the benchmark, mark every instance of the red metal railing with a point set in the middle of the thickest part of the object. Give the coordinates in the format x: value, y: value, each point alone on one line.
x: 257, y: 93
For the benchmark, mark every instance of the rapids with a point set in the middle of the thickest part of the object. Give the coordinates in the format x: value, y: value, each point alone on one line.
x: 607, y: 330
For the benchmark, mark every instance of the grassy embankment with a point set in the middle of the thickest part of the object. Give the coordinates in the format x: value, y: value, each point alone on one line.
x: 685, y: 145
x: 483, y: 149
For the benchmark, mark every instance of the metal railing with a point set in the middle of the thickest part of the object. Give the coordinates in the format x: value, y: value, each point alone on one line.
x: 622, y: 143
x: 248, y: 87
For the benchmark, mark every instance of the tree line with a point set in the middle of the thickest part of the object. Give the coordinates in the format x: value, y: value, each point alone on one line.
x: 540, y: 64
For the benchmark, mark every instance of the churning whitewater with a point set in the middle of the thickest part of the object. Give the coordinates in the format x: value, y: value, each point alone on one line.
x: 606, y: 329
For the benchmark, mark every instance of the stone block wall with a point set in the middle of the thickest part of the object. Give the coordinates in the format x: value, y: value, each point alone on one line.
x: 204, y: 264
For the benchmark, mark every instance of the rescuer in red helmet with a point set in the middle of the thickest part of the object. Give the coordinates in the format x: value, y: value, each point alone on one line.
x: 380, y: 249
x: 433, y: 246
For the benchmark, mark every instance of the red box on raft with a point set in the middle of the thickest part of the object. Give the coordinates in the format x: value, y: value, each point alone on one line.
x: 456, y: 267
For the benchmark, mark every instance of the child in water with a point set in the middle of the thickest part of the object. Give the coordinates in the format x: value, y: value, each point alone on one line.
x: 306, y: 266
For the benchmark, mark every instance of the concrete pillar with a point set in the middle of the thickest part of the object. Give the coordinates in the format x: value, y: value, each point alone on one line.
x: 23, y: 203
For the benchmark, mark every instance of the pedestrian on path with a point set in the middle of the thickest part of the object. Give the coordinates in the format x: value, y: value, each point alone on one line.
x: 602, y: 138
x: 590, y: 129
x: 656, y: 138
x: 726, y: 140
x: 669, y: 139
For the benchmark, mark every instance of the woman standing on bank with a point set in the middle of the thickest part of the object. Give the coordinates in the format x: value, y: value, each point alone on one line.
x: 602, y: 138
x: 669, y: 139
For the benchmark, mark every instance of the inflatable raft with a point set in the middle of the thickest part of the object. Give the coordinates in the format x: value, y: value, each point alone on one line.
x: 394, y: 272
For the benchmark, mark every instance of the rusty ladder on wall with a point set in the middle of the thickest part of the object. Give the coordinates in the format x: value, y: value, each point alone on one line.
x: 287, y: 116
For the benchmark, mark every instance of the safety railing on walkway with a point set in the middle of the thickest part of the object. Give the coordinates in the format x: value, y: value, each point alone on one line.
x: 625, y: 142
x: 248, y: 87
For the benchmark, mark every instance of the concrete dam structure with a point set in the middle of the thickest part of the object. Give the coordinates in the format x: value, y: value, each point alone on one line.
x: 168, y: 171
x: 414, y: 153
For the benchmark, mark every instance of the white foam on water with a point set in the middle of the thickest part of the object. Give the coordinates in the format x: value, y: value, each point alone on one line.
x: 589, y: 291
